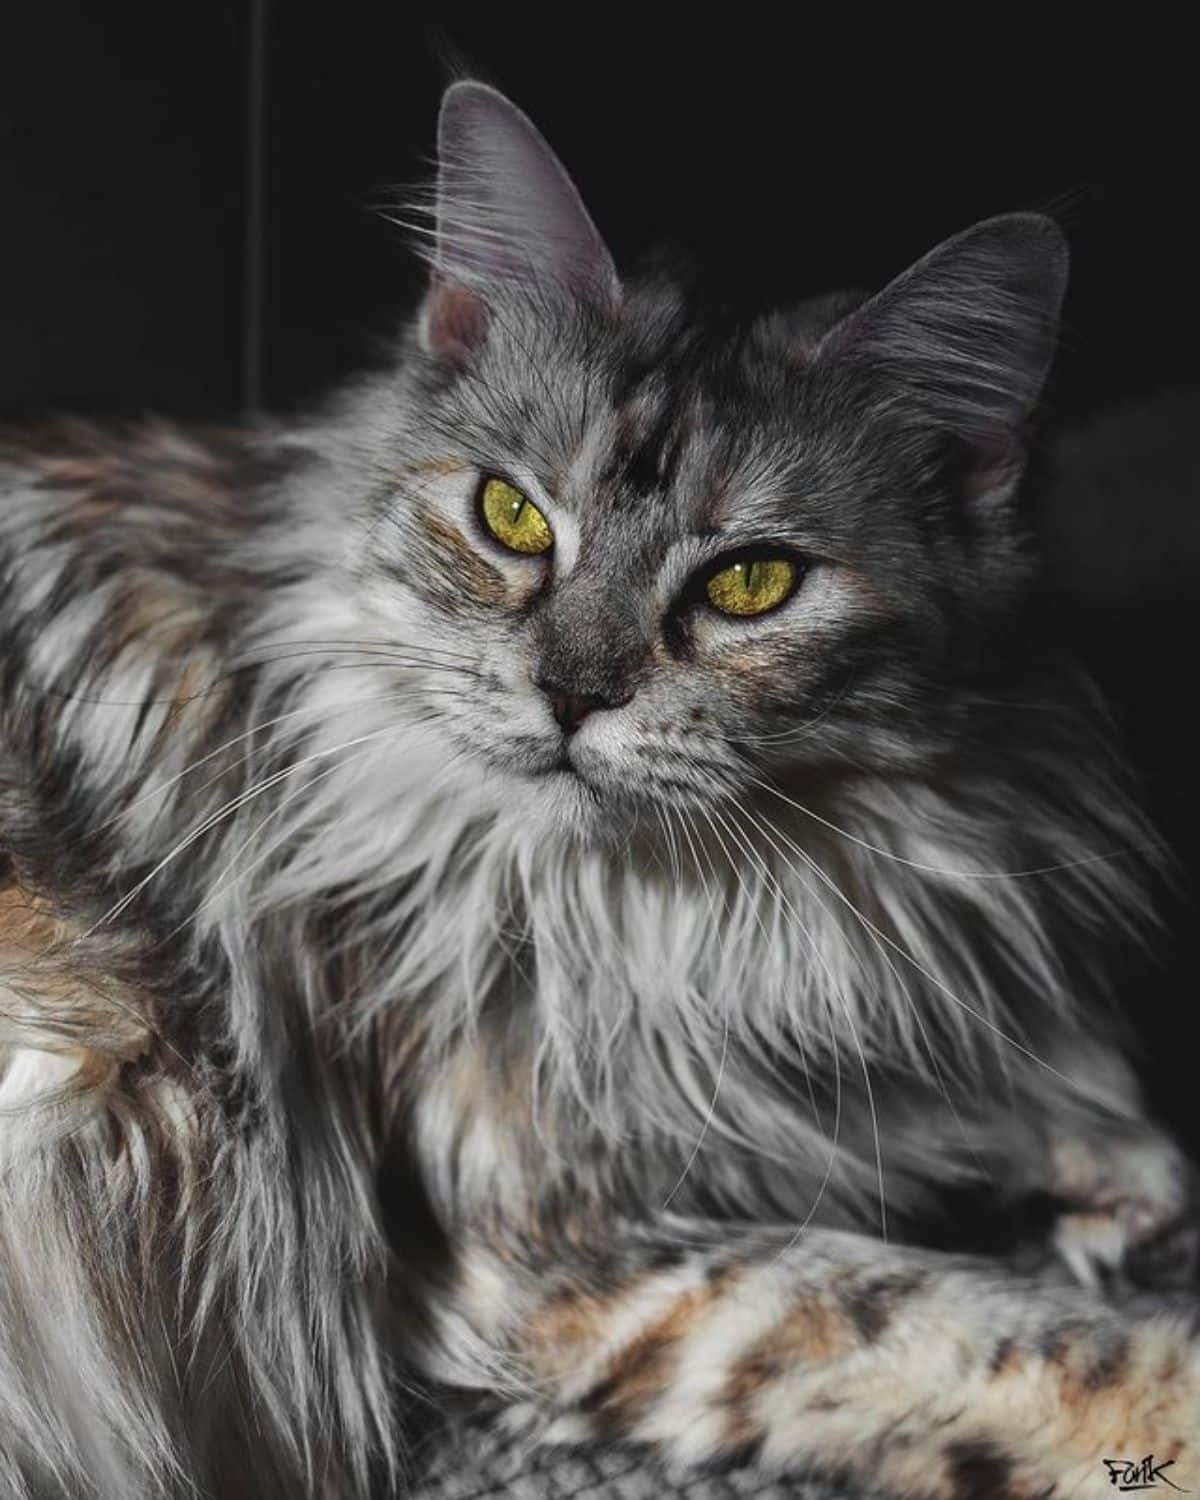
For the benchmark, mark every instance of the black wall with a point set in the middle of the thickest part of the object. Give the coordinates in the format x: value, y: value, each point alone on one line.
x: 812, y: 154
x: 805, y: 150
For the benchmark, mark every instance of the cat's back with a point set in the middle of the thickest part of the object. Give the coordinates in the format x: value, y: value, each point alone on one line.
x: 124, y: 574
x: 119, y: 540
x: 143, y: 489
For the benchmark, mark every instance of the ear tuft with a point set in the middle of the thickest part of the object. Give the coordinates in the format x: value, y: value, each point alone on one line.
x: 506, y: 212
x: 962, y: 342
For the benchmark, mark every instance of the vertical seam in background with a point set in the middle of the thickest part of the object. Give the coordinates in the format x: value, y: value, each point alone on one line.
x: 252, y: 299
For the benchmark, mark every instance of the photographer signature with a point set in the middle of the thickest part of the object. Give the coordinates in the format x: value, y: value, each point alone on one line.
x: 1140, y: 1473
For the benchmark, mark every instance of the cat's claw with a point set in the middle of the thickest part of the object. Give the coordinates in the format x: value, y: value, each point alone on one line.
x: 1092, y: 1246
x: 1132, y: 1222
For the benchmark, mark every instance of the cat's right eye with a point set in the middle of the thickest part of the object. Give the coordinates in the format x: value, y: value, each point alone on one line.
x: 512, y: 519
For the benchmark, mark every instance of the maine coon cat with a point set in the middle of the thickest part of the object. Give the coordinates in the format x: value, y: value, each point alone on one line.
x: 539, y: 877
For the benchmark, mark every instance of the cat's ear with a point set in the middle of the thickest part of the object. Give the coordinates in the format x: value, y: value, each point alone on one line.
x: 506, y: 211
x: 962, y: 342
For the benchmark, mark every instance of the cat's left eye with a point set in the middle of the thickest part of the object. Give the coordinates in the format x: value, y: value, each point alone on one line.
x: 753, y: 585
x: 513, y: 519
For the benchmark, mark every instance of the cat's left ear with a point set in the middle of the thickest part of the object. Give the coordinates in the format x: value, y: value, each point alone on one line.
x: 506, y: 212
x: 962, y: 342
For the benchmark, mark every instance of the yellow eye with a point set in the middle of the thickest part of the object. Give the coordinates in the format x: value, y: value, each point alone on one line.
x: 515, y: 522
x: 753, y: 586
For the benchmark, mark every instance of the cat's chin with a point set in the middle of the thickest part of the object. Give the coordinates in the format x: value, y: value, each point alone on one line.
x: 574, y: 805
x: 561, y: 802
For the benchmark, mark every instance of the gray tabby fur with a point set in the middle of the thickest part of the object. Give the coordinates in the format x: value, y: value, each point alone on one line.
x: 803, y: 932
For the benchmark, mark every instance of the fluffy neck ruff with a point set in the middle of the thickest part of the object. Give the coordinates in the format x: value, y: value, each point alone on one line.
x: 693, y: 984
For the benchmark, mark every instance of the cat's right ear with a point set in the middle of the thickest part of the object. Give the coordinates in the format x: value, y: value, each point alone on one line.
x: 507, y: 212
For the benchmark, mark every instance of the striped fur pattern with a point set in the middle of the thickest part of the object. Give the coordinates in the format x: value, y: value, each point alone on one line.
x: 360, y: 1029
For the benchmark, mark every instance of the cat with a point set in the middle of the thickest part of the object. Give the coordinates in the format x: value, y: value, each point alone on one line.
x: 540, y: 877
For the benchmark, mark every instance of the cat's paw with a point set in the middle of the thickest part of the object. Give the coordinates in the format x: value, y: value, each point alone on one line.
x: 1131, y: 1218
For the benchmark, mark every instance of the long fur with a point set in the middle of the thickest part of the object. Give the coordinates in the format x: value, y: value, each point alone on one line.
x: 305, y: 979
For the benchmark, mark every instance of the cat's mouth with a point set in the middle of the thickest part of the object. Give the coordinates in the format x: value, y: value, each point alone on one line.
x: 563, y: 765
x: 562, y: 783
x: 565, y: 770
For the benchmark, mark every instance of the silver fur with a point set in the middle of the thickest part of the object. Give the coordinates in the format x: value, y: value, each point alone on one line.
x: 778, y: 944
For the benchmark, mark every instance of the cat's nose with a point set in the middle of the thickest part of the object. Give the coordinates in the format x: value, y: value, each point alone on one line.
x: 570, y: 708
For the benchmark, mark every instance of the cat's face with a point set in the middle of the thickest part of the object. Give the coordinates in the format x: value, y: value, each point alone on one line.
x: 665, y: 577
x: 667, y: 562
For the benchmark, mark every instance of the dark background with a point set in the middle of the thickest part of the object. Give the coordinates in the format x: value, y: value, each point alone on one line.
x: 805, y: 152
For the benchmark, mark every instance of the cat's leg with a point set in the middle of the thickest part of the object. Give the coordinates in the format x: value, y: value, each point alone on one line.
x: 1073, y: 1133
x: 1127, y: 1209
x: 924, y: 1375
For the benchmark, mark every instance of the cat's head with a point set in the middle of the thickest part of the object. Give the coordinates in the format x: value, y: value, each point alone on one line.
x: 678, y: 558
